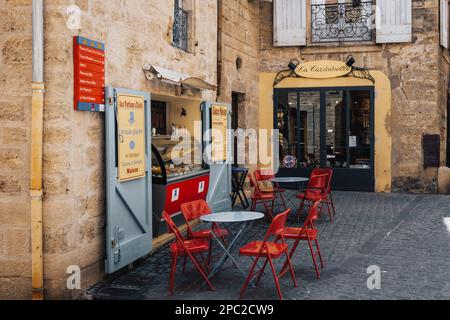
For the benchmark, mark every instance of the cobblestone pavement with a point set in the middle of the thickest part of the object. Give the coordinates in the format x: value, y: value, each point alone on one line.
x: 404, y: 235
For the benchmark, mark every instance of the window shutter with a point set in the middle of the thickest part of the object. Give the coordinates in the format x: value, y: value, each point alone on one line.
x: 394, y: 21
x: 444, y: 23
x: 289, y: 21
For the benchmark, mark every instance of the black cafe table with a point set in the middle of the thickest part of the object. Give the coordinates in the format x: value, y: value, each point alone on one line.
x: 238, y: 178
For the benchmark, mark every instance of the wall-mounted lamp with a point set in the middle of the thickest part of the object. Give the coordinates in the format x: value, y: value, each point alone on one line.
x: 350, y: 61
x: 293, y: 64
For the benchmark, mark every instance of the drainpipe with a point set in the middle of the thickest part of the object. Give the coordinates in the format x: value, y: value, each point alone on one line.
x: 219, y: 50
x: 37, y: 119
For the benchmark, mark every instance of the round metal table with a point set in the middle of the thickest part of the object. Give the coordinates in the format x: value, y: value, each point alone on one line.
x: 244, y: 217
x: 277, y: 180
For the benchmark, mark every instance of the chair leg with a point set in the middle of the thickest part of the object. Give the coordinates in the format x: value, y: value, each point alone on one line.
x: 172, y: 273
x: 249, y: 278
x: 320, y: 254
x: 268, y: 211
x: 332, y: 204
x: 300, y: 209
x: 288, y: 260
x: 329, y: 211
x: 261, y: 272
x: 275, y: 277
x: 291, y: 255
x: 202, y: 272
x: 313, y: 255
x: 253, y: 207
x: 209, y: 252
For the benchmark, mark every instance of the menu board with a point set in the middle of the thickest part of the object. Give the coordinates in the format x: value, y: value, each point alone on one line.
x: 89, y: 75
x: 219, y: 124
x: 131, y: 137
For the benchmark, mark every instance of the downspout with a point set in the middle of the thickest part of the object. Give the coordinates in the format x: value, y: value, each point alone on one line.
x: 219, y: 50
x: 37, y: 119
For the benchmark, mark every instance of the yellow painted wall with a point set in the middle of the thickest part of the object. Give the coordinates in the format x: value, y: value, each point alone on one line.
x: 383, y: 139
x: 175, y: 104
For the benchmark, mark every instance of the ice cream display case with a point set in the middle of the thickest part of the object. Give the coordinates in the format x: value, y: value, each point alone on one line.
x: 179, y: 176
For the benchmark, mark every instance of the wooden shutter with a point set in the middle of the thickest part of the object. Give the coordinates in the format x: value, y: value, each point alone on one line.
x: 289, y: 21
x: 444, y: 23
x: 394, y: 21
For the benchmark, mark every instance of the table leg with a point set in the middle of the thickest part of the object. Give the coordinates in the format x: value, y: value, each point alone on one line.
x: 227, y: 254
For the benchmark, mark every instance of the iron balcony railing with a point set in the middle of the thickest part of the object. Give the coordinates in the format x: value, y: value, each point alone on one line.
x: 342, y: 22
x: 180, y: 29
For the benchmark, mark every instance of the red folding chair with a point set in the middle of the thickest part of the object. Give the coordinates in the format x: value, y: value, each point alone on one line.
x: 316, y: 191
x: 266, y: 175
x: 270, y: 251
x: 260, y: 197
x: 195, y: 210
x: 308, y: 233
x: 330, y: 191
x: 188, y: 248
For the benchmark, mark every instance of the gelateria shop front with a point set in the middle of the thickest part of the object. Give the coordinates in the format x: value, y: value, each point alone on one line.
x: 331, y: 114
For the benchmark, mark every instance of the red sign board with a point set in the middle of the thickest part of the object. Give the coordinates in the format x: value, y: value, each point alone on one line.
x: 89, y: 72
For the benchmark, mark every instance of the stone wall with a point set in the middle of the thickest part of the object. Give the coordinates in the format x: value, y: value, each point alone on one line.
x: 136, y: 32
x: 15, y: 102
x: 418, y: 76
x: 240, y: 40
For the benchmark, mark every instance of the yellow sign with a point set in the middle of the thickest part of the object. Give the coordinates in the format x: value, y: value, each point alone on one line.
x: 324, y: 69
x: 219, y: 126
x: 131, y: 137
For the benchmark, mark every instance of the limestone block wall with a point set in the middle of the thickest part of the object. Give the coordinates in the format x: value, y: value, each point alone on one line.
x: 418, y: 76
x: 15, y: 102
x: 240, y: 40
x: 136, y: 32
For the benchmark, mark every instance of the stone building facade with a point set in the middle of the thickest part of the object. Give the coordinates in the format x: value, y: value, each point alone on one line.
x: 418, y: 72
x: 135, y: 33
x: 230, y: 50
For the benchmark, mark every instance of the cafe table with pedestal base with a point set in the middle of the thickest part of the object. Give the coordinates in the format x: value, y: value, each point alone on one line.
x: 246, y: 218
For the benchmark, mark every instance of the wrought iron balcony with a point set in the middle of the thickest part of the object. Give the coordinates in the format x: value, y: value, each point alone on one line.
x: 180, y: 29
x: 342, y: 22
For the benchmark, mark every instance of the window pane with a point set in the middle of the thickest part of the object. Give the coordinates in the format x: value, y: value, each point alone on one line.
x: 287, y: 124
x: 360, y: 130
x: 336, y: 126
x: 309, y: 129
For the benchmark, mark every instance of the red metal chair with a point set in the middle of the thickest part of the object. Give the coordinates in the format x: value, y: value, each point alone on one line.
x: 308, y: 233
x: 195, y: 210
x: 187, y: 248
x: 330, y: 191
x: 261, y: 197
x: 270, y: 251
x: 266, y: 175
x: 317, y: 190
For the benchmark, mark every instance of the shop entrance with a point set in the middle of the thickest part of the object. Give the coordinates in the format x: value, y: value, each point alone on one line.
x: 327, y: 127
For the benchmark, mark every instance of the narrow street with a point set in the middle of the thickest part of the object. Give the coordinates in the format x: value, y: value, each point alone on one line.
x: 404, y: 235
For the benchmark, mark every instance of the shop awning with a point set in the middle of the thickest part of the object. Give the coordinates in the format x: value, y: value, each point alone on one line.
x: 176, y: 78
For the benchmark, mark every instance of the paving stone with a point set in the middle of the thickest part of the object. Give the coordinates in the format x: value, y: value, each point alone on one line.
x: 402, y: 234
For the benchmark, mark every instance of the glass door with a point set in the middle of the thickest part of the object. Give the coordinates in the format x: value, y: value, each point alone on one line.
x: 328, y: 127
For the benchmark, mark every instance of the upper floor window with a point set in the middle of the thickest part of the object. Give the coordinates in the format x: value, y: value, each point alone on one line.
x: 312, y: 22
x: 341, y: 21
x: 181, y: 25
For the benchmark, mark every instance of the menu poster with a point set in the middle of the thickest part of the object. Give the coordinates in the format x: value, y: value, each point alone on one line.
x: 219, y: 126
x: 131, y: 137
x: 89, y: 75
